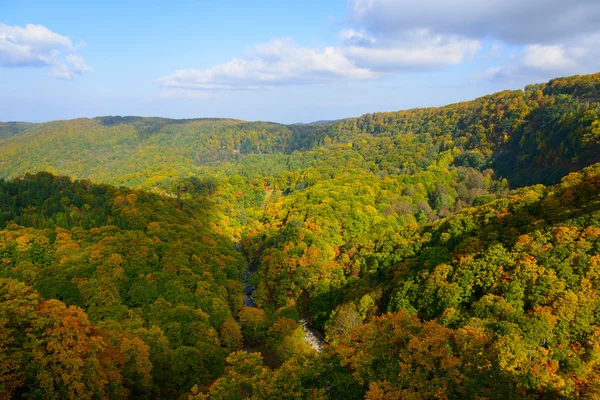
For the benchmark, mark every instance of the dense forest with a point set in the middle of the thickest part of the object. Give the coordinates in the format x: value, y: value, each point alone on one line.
x: 444, y: 253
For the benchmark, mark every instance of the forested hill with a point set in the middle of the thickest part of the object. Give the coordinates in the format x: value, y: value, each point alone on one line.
x: 8, y: 129
x: 445, y: 253
x: 112, y: 293
x: 498, y: 301
x: 145, y: 301
x: 528, y: 136
x: 134, y: 151
x: 546, y: 130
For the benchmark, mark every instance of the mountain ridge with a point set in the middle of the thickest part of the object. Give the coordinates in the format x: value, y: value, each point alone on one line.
x: 449, y: 252
x: 502, y: 127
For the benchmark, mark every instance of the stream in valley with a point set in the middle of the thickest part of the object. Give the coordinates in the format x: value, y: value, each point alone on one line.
x: 312, y: 337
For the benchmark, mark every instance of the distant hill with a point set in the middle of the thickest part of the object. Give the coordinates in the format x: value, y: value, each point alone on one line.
x: 134, y: 150
x: 528, y: 136
x: 320, y: 122
x: 8, y: 129
x: 535, y: 135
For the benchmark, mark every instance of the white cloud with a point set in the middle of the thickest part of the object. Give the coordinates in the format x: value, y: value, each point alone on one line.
x: 553, y: 57
x: 547, y: 37
x: 38, y: 46
x: 277, y: 63
x: 360, y: 56
x: 78, y: 64
x: 418, y: 50
x: 542, y: 62
x: 353, y: 37
x: 513, y: 21
x: 385, y: 37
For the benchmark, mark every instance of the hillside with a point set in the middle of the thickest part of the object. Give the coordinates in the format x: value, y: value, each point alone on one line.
x: 547, y: 129
x: 8, y: 129
x: 445, y: 252
x: 156, y: 277
x: 498, y: 301
x: 509, y: 289
x: 135, y: 151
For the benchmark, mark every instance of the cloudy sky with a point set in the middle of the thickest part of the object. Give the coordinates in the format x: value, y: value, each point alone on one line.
x: 285, y: 61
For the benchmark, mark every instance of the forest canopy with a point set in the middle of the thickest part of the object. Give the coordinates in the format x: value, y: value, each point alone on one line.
x: 435, y: 253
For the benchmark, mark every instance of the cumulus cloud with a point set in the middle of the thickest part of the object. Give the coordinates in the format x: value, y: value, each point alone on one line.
x: 357, y: 38
x: 511, y: 21
x: 358, y: 57
x: 362, y: 53
x: 552, y: 57
x: 38, y: 46
x: 277, y: 63
x: 547, y: 37
x: 385, y: 37
x: 536, y: 61
x: 413, y: 51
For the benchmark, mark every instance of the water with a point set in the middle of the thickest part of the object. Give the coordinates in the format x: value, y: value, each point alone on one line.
x: 248, y: 290
x: 312, y: 337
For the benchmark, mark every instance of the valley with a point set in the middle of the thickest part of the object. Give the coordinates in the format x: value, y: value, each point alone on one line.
x: 406, y: 254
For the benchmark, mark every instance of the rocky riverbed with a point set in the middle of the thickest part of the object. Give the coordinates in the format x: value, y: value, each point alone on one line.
x: 312, y: 337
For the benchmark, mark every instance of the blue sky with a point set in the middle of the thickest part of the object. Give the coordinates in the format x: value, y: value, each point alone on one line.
x: 285, y: 61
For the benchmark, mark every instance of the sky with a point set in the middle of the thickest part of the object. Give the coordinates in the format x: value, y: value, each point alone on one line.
x: 284, y: 61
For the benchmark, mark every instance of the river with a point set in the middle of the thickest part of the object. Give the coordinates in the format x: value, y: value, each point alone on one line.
x: 312, y: 337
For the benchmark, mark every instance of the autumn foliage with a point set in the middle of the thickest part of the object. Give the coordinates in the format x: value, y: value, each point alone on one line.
x: 442, y: 253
